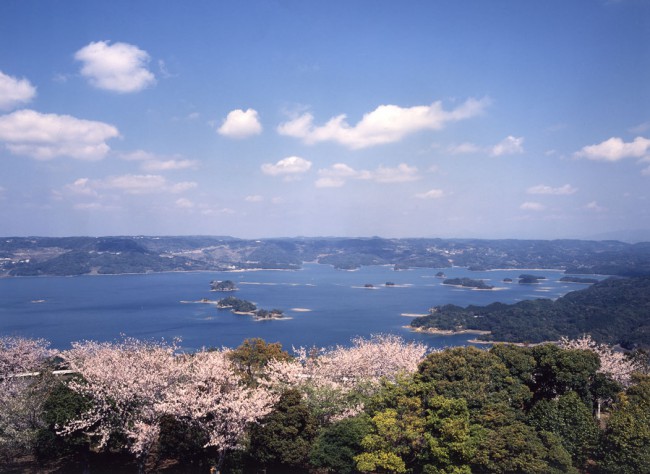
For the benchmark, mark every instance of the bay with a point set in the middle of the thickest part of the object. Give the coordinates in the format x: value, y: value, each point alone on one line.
x: 324, y: 306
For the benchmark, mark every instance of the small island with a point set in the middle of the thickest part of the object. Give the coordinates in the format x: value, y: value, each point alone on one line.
x: 527, y: 279
x: 225, y: 285
x: 238, y: 306
x: 507, y: 280
x: 468, y: 283
x: 571, y: 279
x: 390, y: 283
x: 441, y: 275
x: 368, y: 285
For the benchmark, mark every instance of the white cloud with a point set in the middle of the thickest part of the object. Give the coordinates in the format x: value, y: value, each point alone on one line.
x: 168, y: 165
x: 464, y: 148
x: 640, y: 128
x: 402, y: 174
x: 646, y: 171
x: 431, y: 194
x: 184, y: 203
x: 119, y: 67
x: 241, y: 124
x: 339, y: 173
x: 128, y: 184
x: 46, y: 136
x: 385, y: 124
x: 182, y: 187
x: 532, y: 206
x: 14, y: 91
x: 593, y: 206
x: 289, y: 167
x: 559, y: 191
x: 153, y: 163
x: 254, y: 198
x: 615, y: 149
x: 508, y: 146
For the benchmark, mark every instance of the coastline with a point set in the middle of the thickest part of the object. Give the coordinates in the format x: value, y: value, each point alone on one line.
x: 449, y: 332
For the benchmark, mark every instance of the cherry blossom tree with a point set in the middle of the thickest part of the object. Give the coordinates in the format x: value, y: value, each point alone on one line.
x: 128, y: 383
x: 214, y: 397
x: 23, y: 385
x: 336, y: 381
x: 613, y: 363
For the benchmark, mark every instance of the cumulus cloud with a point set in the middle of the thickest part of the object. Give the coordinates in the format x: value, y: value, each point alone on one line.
x: 615, y: 149
x: 289, y: 167
x: 46, y: 136
x: 508, y: 146
x: 431, y: 194
x: 339, y: 173
x: 532, y: 206
x: 14, y: 91
x: 385, y: 124
x: 118, y: 67
x: 559, y: 191
x: 240, y: 124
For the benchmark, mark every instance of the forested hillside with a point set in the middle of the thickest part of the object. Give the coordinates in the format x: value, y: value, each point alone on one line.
x: 615, y: 311
x: 380, y: 405
x: 28, y: 256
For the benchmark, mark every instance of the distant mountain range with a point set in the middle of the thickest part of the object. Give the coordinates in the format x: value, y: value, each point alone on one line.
x: 33, y: 256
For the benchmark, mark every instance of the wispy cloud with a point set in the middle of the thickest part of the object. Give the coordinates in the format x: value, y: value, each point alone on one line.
x: 532, y: 206
x: 558, y: 191
x: 385, y: 124
x: 337, y: 175
x: 615, y: 149
x: 14, y: 91
x: 431, y: 194
x: 47, y: 136
x: 240, y: 124
x: 508, y: 146
x: 118, y: 67
x: 153, y: 163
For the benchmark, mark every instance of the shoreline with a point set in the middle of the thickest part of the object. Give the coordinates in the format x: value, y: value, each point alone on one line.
x: 448, y: 332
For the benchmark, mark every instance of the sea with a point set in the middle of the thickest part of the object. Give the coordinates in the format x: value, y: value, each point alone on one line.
x: 323, y: 306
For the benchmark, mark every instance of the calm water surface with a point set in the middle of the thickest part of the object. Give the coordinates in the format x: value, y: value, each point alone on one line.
x: 324, y: 306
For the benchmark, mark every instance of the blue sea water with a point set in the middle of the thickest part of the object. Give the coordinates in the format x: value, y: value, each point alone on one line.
x: 323, y: 306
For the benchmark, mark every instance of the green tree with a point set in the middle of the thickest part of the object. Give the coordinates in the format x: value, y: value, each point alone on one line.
x: 572, y: 421
x: 252, y: 356
x: 625, y: 445
x: 336, y: 446
x: 284, y: 437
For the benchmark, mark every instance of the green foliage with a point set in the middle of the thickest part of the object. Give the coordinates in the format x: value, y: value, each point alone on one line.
x: 477, y: 376
x: 252, y: 356
x: 614, y: 311
x: 284, y: 437
x: 468, y: 283
x: 337, y: 445
x: 625, y: 446
x: 237, y: 305
x: 571, y: 420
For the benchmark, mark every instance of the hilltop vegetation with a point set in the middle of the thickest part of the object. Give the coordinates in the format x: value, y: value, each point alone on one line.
x: 30, y: 256
x: 380, y: 405
x: 615, y: 311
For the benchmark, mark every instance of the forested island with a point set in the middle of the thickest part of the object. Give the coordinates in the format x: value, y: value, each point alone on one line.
x: 615, y: 311
x: 239, y: 306
x: 468, y: 283
x: 225, y: 285
x: 34, y: 256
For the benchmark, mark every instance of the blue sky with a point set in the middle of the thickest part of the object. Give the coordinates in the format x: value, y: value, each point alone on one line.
x: 499, y: 119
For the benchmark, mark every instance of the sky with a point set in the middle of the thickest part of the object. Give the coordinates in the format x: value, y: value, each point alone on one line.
x: 258, y: 119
